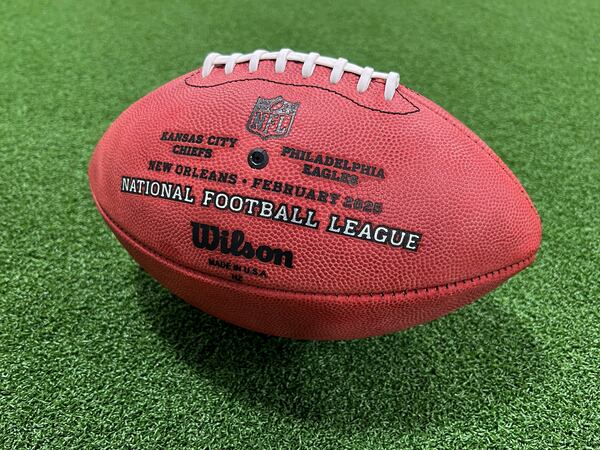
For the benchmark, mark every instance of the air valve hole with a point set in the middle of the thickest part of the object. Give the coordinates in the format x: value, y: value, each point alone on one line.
x: 258, y: 158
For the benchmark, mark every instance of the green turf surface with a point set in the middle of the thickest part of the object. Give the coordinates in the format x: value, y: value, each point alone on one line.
x: 94, y: 353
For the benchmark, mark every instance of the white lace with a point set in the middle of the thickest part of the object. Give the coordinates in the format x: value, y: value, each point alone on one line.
x: 309, y: 60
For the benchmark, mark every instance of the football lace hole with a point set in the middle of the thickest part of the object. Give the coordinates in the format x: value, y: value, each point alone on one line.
x: 258, y: 158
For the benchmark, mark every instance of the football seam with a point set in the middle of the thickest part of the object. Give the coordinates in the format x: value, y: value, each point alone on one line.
x: 464, y: 132
x: 416, y: 110
x: 403, y: 292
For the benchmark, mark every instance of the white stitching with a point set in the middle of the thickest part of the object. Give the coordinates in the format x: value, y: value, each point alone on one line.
x: 281, y: 60
x: 338, y: 70
x: 255, y: 59
x: 231, y: 61
x: 309, y: 64
x: 365, y: 79
x: 338, y: 65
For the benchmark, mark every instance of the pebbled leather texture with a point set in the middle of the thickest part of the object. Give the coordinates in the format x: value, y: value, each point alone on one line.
x: 477, y: 225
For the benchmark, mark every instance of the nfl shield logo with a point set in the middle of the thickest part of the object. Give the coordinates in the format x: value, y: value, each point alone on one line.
x: 272, y: 117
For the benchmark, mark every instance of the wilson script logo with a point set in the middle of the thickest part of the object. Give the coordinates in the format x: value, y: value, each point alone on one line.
x: 210, y: 237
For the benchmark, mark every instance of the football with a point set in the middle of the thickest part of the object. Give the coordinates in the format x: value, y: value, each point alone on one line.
x: 304, y: 196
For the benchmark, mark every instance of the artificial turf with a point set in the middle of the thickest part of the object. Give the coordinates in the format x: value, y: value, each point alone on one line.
x: 94, y: 353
